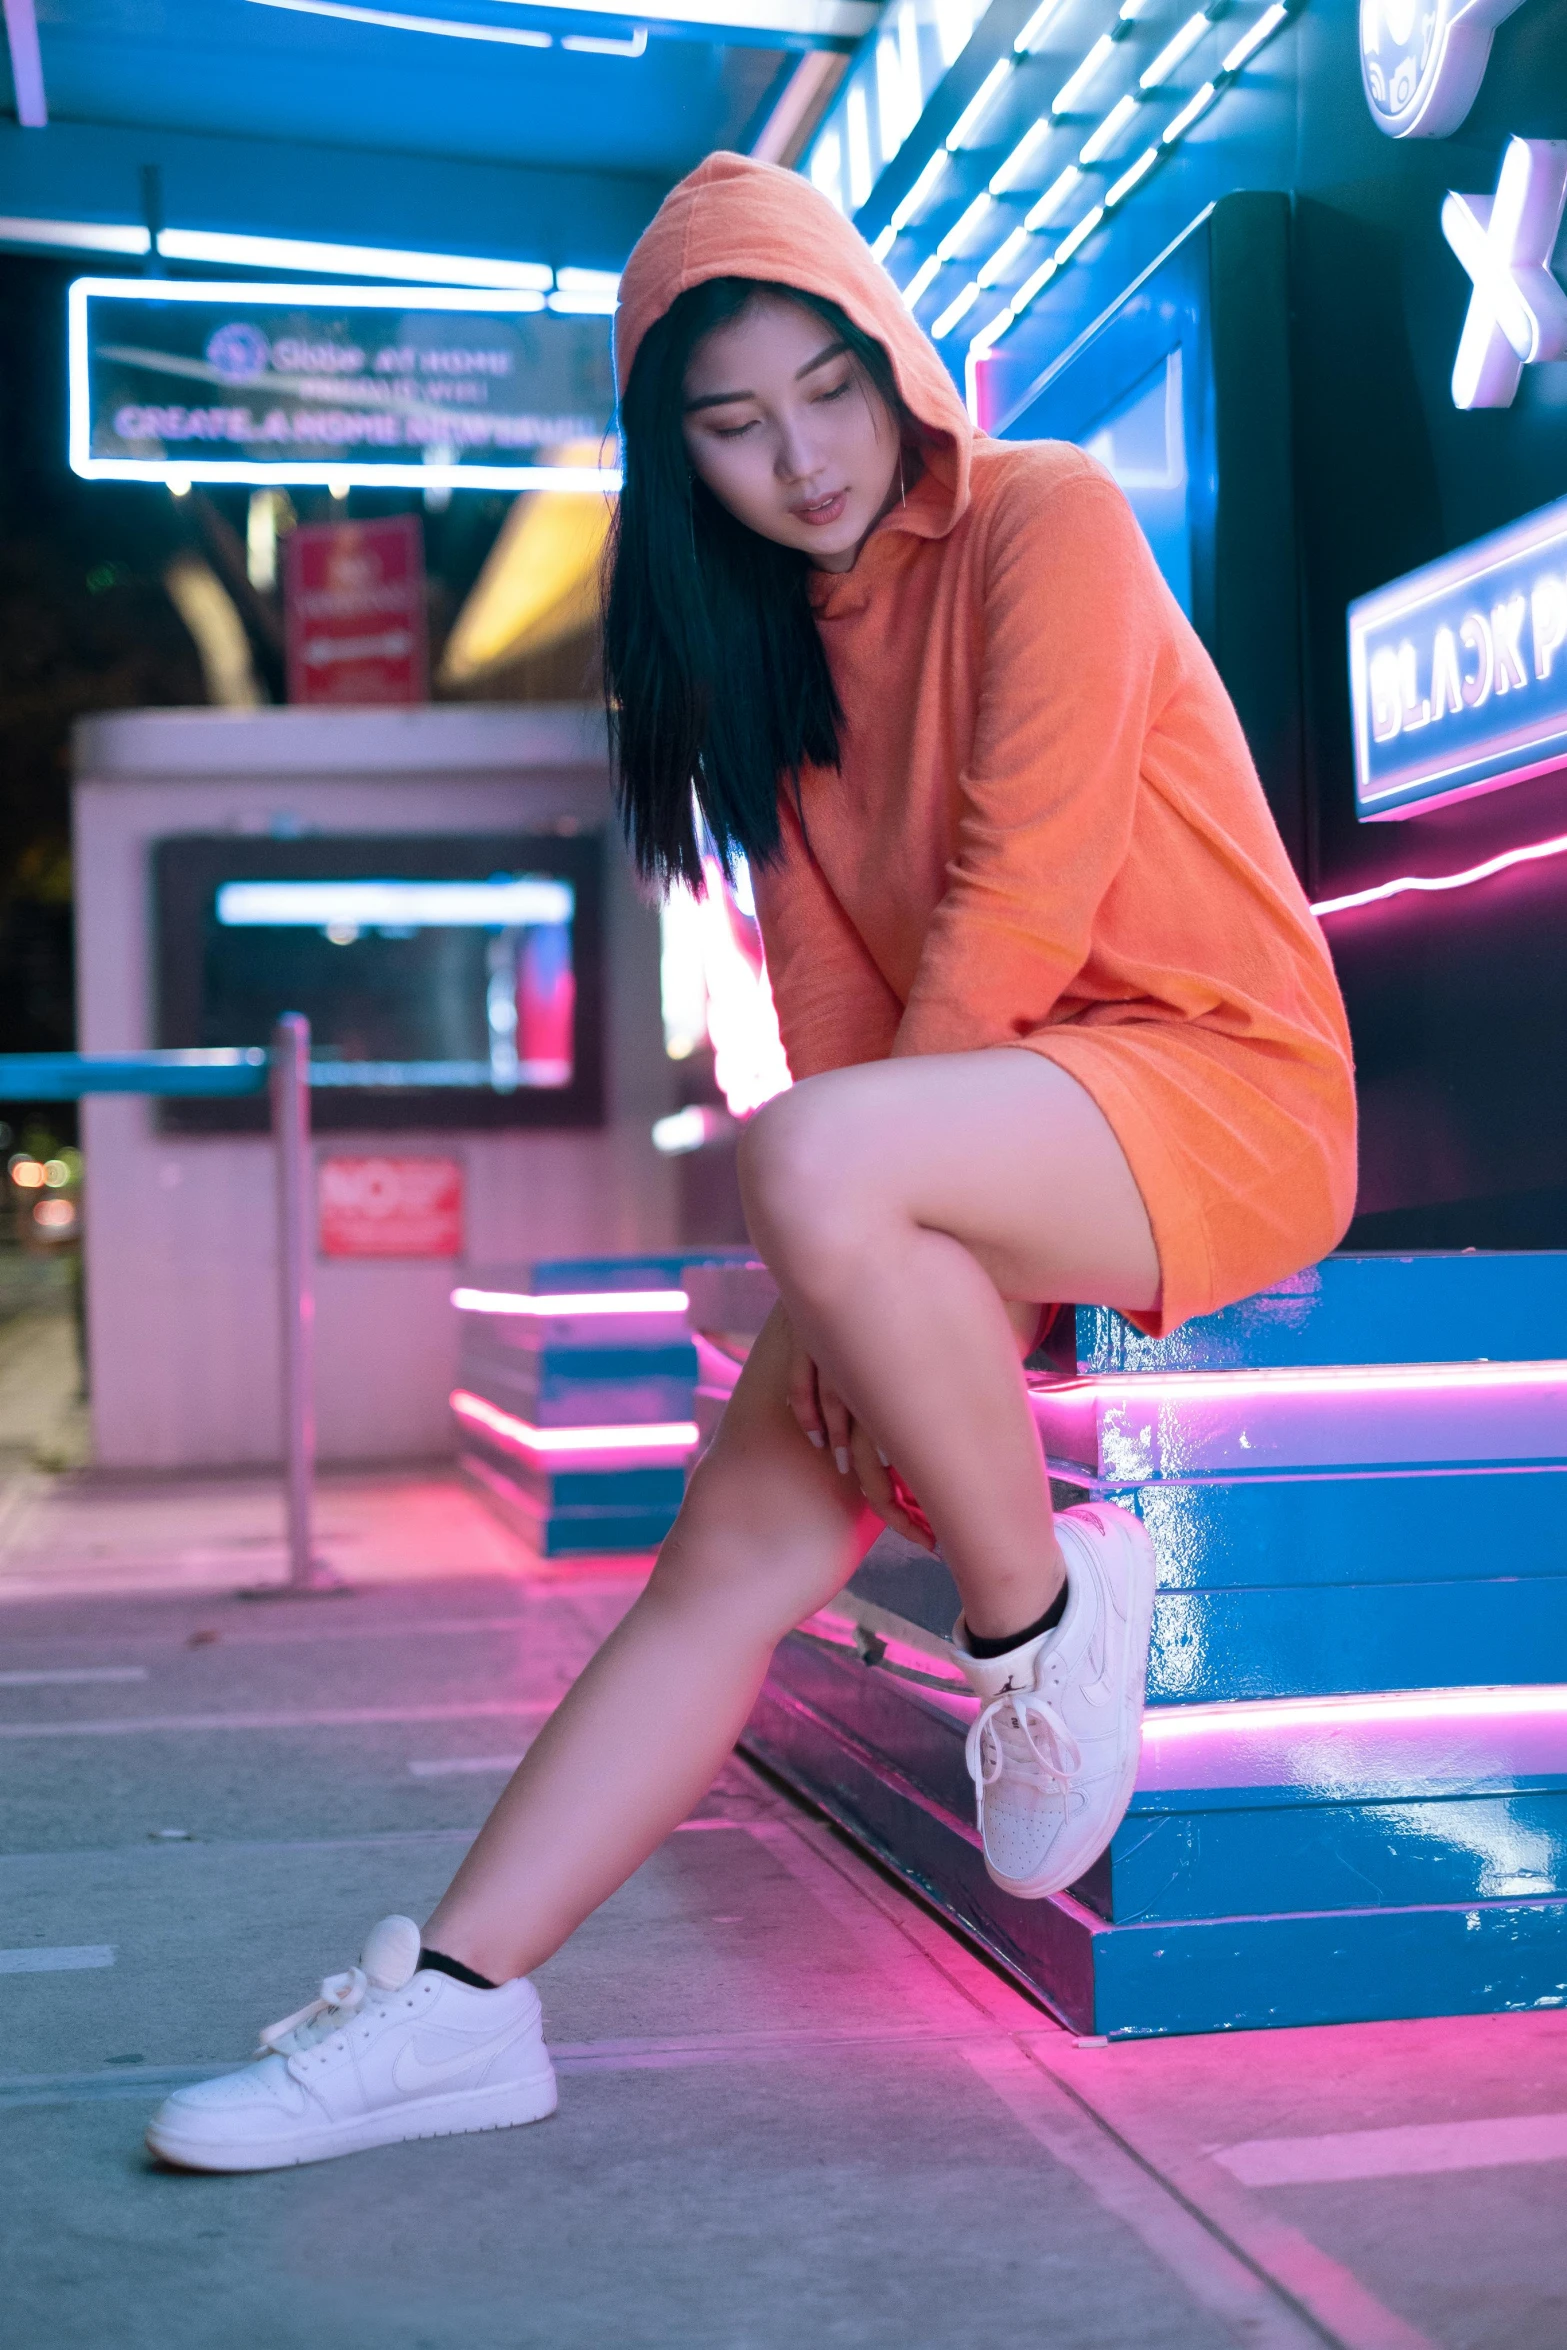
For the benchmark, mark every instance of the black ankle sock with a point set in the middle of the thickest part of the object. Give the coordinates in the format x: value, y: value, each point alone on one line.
x: 1047, y: 1623
x: 455, y: 1968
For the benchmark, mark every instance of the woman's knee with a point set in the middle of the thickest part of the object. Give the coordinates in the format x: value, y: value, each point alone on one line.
x: 808, y: 1181
x: 719, y: 1557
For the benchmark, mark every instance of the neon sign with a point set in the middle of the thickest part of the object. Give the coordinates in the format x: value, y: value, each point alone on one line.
x: 1458, y: 672
x: 1517, y: 312
x: 185, y: 380
x: 1422, y: 61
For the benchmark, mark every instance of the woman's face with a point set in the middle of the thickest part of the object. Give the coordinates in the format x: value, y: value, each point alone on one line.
x: 788, y: 432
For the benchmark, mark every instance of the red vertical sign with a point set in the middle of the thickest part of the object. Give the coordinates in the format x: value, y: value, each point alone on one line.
x: 354, y: 605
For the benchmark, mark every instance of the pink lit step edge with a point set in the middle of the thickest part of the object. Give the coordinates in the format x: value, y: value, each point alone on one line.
x: 570, y: 1301
x: 670, y: 1439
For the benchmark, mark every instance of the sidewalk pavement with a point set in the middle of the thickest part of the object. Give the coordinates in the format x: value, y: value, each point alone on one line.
x: 796, y: 2110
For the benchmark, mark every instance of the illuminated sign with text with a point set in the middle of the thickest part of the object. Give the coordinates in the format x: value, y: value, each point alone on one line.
x: 387, y: 387
x: 1458, y: 672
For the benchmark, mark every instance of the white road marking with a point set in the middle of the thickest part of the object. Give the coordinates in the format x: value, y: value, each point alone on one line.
x: 1414, y: 2149
x: 351, y: 1717
x: 1245, y: 2302
x: 64, y: 1961
x: 67, y: 1676
x: 463, y: 1766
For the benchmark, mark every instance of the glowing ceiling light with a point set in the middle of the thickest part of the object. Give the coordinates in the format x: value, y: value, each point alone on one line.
x: 1078, y: 236
x: 857, y: 126
x: 1019, y: 162
x: 955, y: 22
x: 510, y: 36
x: 1002, y: 259
x: 543, y: 1303
x: 1033, y: 286
x: 600, y: 45
x: 1105, y: 136
x: 586, y: 304
x: 224, y: 249
x: 885, y: 242
x: 1129, y: 179
x: 1066, y: 98
x: 1174, y: 53
x: 992, y: 331
x: 1191, y: 112
x: 830, y: 19
x: 920, y: 281
x: 667, y: 1436
x: 605, y: 282
x: 1517, y: 312
x: 1033, y: 33
x: 897, y: 98
x: 965, y: 225
x: 955, y: 310
x: 964, y: 131
x: 827, y: 167
x: 921, y: 192
x: 1252, y: 39
x: 77, y: 236
x: 1055, y: 198
x: 1424, y: 884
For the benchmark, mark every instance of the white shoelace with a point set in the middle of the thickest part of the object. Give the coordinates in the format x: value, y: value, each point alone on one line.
x: 989, y: 1749
x: 341, y: 1997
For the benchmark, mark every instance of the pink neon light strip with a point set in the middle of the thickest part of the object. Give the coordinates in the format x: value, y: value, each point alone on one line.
x: 1427, y: 885
x: 1372, y: 1379
x: 1545, y: 1701
x: 570, y: 1301
x: 658, y: 1436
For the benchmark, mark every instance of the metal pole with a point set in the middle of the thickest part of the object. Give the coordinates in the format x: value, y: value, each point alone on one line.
x: 290, y: 1089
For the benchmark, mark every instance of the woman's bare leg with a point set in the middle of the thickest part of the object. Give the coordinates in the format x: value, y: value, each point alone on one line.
x: 767, y: 1534
x: 897, y: 1205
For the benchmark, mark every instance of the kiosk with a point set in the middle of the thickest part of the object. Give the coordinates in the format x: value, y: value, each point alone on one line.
x: 437, y: 883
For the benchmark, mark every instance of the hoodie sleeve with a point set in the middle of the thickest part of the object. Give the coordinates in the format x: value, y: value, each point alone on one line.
x: 1047, y: 797
x: 834, y: 1007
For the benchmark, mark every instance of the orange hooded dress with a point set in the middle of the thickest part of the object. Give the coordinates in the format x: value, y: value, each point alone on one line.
x: 1046, y: 830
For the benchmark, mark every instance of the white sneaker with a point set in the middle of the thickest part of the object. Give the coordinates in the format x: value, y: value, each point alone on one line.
x: 385, y: 2053
x: 1053, y: 1752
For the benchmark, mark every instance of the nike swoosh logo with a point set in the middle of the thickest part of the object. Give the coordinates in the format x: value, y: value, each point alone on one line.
x: 412, y: 2074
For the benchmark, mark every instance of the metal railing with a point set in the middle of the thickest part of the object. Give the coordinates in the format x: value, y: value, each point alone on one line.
x: 288, y: 1074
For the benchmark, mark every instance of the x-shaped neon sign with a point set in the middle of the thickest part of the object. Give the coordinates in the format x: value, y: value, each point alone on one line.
x: 1517, y: 312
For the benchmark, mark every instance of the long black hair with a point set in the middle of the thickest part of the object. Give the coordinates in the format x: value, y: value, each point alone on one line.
x: 715, y: 675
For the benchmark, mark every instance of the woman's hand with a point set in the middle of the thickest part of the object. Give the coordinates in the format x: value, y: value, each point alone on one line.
x: 827, y: 1422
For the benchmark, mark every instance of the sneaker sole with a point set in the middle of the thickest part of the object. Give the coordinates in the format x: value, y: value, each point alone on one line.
x: 505, y: 2107
x: 1139, y: 1636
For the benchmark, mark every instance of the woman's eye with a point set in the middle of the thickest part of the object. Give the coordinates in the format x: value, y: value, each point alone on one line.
x: 838, y: 390
x: 731, y: 432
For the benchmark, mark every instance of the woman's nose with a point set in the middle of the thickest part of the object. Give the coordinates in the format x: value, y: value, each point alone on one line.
x: 796, y: 460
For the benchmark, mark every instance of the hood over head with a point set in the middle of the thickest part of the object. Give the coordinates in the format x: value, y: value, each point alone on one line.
x: 734, y: 217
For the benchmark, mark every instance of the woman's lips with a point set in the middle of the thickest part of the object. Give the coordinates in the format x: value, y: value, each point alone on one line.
x: 824, y: 509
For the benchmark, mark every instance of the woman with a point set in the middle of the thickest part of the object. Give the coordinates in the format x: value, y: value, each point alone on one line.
x: 1062, y: 1026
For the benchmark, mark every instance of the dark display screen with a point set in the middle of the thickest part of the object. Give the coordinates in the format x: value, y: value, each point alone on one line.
x: 476, y: 953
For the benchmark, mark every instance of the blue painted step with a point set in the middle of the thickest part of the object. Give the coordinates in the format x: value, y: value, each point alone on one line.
x: 883, y: 1762
x: 1503, y: 1306
x: 1318, y: 1636
x: 554, y: 1383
